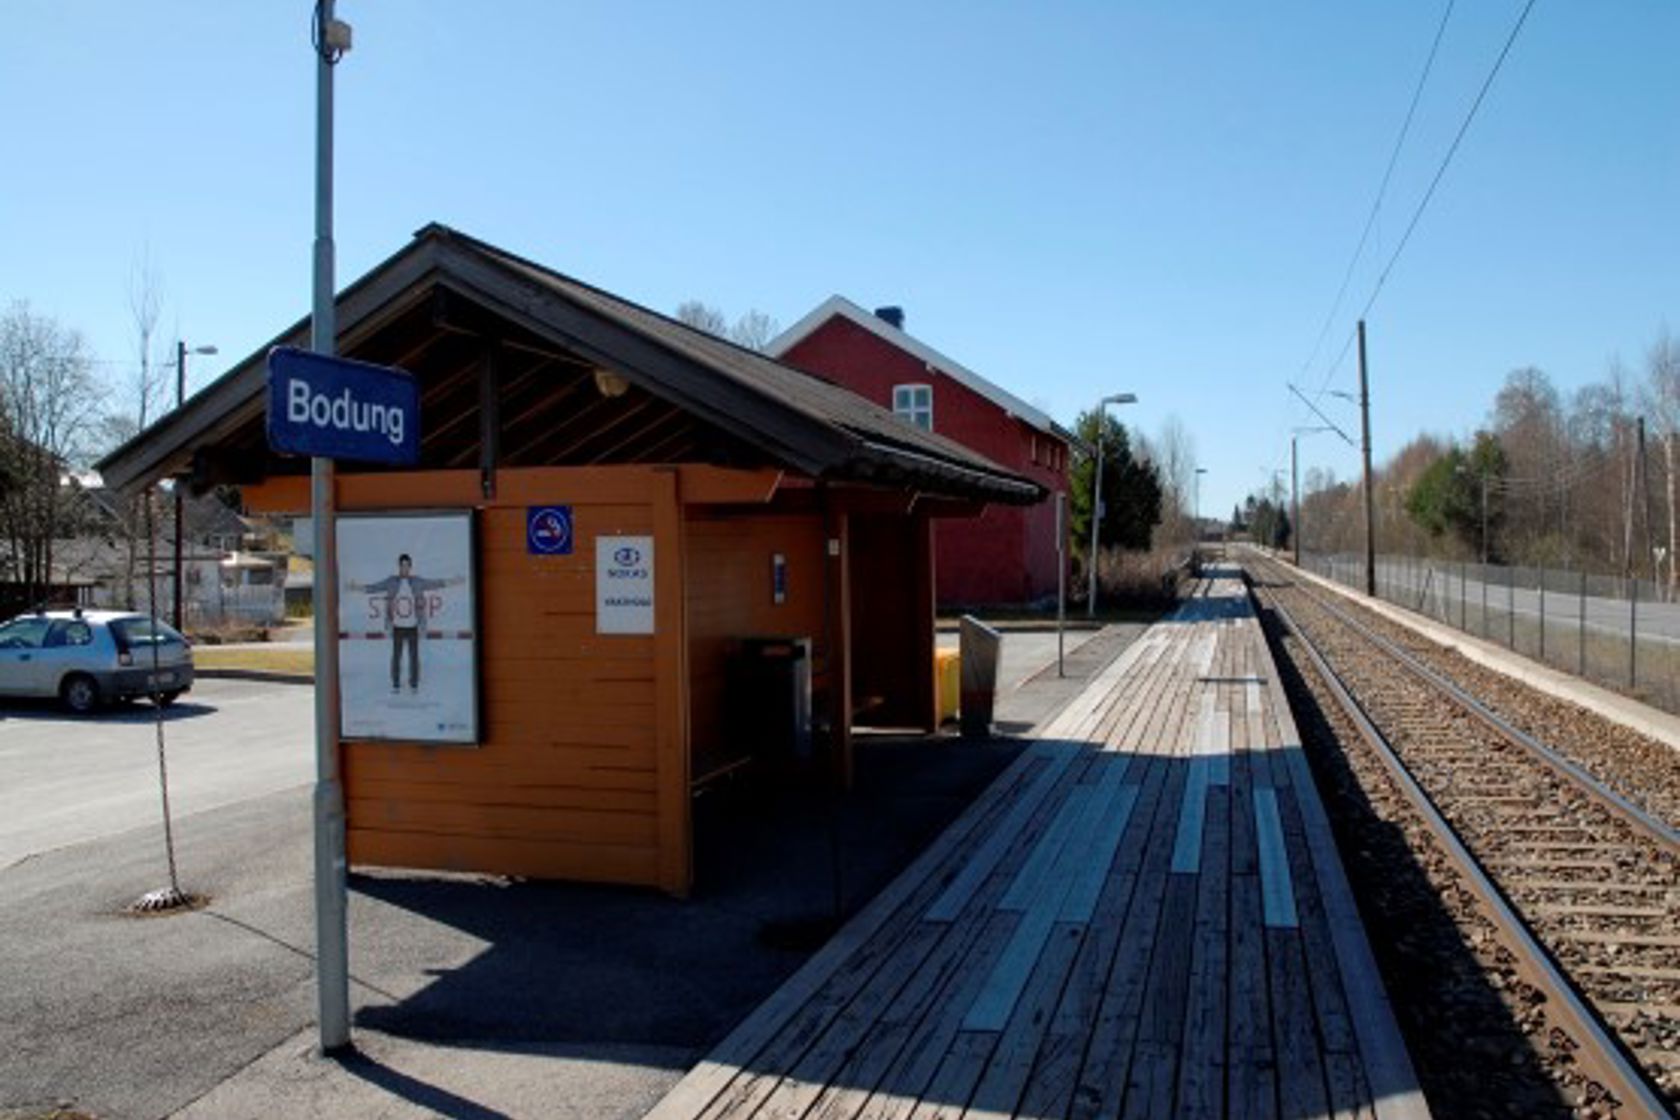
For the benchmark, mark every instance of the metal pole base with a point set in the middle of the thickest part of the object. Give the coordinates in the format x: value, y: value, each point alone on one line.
x: 164, y: 900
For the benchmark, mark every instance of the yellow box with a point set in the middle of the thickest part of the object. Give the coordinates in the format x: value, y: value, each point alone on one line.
x: 947, y: 668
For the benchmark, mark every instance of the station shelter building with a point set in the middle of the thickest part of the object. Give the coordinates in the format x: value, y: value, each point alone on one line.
x: 777, y: 505
x: 1007, y: 556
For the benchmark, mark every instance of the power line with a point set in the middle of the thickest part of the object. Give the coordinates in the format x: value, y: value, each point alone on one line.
x: 1447, y: 160
x: 1382, y: 189
x: 1423, y: 204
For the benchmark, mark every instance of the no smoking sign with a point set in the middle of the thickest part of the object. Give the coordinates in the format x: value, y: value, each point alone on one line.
x: 548, y: 530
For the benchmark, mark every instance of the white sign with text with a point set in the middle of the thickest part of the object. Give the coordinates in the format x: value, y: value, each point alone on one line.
x: 624, y: 585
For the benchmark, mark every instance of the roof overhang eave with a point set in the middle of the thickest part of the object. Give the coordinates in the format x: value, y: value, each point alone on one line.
x: 942, y: 476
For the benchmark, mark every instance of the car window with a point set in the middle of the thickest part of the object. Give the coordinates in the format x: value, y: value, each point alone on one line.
x: 69, y: 632
x: 144, y: 631
x: 24, y: 633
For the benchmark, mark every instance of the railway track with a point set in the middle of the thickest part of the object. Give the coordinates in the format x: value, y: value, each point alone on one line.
x: 1581, y: 881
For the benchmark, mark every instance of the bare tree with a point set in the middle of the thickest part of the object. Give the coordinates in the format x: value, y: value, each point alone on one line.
x: 1599, y: 436
x: 1173, y: 452
x: 1662, y: 364
x: 702, y: 316
x: 754, y: 330
x: 1528, y: 421
x: 48, y: 409
x: 145, y: 300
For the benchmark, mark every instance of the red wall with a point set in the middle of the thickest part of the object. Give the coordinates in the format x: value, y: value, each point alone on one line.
x: 1007, y: 555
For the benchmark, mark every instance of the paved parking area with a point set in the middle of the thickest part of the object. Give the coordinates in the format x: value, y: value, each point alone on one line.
x: 473, y: 997
x: 67, y: 779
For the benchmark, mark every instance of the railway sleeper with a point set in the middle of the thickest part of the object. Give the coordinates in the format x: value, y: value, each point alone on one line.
x: 1579, y: 910
x: 1518, y: 862
x: 1657, y: 890
x: 1616, y: 939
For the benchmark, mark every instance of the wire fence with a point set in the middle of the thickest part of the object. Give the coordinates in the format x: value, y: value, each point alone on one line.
x: 1619, y: 632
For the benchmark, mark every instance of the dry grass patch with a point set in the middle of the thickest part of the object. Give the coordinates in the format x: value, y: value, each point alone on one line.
x: 277, y: 659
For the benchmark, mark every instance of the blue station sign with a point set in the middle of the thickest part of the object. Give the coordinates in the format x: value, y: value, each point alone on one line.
x: 335, y: 408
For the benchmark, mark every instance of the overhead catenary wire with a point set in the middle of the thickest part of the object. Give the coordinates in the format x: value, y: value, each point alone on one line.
x: 1382, y: 190
x: 1446, y: 161
x: 1434, y: 185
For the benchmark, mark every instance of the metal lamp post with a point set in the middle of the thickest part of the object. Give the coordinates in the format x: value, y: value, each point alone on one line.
x: 332, y: 38
x: 181, y: 351
x: 1295, y: 485
x: 1196, y: 512
x: 1096, y: 496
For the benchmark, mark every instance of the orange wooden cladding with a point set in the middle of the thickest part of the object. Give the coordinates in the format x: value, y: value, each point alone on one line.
x: 585, y: 766
x: 581, y: 772
x: 730, y: 597
x: 592, y: 861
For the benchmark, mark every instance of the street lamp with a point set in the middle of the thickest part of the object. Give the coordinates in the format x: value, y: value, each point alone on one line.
x: 1196, y: 509
x: 1295, y: 486
x: 181, y: 352
x: 1096, y: 495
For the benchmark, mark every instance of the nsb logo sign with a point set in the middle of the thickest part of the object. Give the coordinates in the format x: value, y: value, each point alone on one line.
x: 625, y: 563
x: 548, y: 530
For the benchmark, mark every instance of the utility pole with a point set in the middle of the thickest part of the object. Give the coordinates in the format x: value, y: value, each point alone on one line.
x: 181, y: 352
x: 1096, y: 496
x: 1365, y: 432
x: 1645, y: 486
x: 1484, y: 523
x: 332, y: 941
x: 177, y: 615
x: 1295, y: 500
x: 1096, y: 520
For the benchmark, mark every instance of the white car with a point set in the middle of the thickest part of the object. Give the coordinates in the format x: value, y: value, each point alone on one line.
x: 87, y: 658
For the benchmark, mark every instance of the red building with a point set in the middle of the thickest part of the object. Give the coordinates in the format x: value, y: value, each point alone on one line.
x: 1007, y: 555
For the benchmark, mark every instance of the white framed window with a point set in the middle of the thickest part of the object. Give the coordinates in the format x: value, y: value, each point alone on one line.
x: 915, y: 404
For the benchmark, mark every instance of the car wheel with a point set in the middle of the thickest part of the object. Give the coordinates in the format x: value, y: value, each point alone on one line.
x: 80, y: 693
x: 165, y: 699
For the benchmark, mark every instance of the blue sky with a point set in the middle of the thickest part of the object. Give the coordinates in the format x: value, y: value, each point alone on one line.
x: 1070, y: 198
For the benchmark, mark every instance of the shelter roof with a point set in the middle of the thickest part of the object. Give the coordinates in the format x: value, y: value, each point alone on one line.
x: 446, y: 304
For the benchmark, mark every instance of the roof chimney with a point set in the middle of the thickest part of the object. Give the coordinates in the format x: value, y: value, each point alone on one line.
x: 893, y: 315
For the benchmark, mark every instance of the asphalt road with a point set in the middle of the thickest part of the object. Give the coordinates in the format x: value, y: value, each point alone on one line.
x: 67, y: 779
x: 1657, y: 621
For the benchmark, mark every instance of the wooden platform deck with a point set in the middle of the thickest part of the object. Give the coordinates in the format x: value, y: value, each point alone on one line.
x: 1144, y: 916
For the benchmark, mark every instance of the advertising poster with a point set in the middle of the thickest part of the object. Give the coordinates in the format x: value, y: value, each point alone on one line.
x: 408, y: 638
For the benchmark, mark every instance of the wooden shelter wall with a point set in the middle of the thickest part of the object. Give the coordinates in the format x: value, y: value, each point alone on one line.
x: 580, y: 773
x: 730, y: 598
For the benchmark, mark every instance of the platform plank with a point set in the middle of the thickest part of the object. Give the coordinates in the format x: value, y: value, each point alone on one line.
x: 1144, y: 916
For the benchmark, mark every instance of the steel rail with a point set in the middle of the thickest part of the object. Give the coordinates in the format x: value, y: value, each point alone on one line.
x: 1602, y: 1056
x: 1653, y: 827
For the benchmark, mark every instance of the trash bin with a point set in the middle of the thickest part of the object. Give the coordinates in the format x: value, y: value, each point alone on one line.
x: 981, y: 648
x: 947, y: 669
x: 770, y: 700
